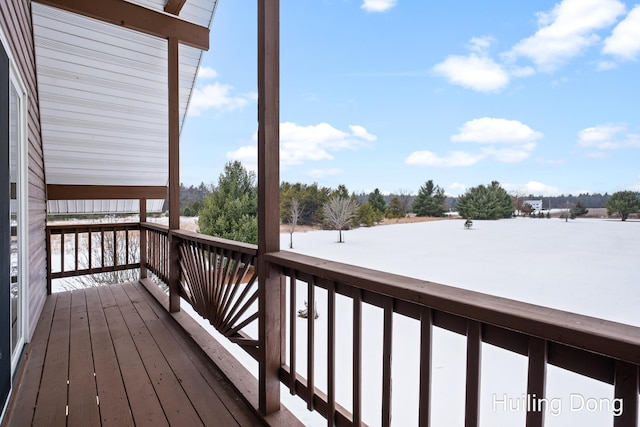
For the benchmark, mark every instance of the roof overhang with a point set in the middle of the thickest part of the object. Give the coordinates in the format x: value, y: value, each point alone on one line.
x: 103, y: 88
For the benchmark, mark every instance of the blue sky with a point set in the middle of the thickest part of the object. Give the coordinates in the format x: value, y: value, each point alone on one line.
x: 542, y: 96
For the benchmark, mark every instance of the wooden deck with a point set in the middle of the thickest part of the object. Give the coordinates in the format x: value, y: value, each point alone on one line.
x: 113, y: 356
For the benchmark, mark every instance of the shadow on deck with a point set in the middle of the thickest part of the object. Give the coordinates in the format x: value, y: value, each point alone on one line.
x: 113, y: 356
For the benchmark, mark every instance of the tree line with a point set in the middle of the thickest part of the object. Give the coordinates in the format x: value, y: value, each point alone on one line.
x: 228, y: 209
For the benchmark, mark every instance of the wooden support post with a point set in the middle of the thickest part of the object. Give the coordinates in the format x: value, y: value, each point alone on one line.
x: 143, y: 239
x: 269, y: 203
x: 626, y: 388
x: 174, y: 175
x: 536, y: 378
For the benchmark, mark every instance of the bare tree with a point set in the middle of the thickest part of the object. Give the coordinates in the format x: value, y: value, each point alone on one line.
x: 116, y: 250
x: 404, y: 196
x: 294, y: 214
x: 338, y: 213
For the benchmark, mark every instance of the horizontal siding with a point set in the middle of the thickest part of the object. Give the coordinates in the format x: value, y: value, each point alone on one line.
x: 15, y: 19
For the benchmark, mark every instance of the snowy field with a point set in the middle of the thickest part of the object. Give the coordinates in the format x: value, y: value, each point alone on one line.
x: 586, y: 266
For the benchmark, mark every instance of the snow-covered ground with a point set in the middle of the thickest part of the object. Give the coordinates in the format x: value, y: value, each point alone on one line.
x: 587, y: 266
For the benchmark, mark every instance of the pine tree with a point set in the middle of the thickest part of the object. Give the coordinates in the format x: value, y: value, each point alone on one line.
x: 485, y: 202
x: 230, y: 211
x: 623, y: 203
x: 429, y: 201
x: 376, y: 200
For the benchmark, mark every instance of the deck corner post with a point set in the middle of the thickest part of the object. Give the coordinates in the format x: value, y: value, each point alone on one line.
x: 174, y: 174
x: 270, y: 285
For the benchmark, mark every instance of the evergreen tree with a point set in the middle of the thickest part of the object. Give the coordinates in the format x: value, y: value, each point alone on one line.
x: 312, y: 197
x: 579, y: 209
x: 429, y: 201
x: 230, y: 211
x: 623, y: 203
x: 366, y: 215
x: 490, y: 202
x: 395, y: 209
x: 376, y: 200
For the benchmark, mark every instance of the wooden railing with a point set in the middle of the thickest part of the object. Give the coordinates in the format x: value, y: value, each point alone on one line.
x: 218, y: 278
x: 91, y: 249
x: 598, y: 349
x: 155, y: 240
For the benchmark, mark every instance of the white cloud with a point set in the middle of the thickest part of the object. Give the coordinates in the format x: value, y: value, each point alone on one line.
x: 506, y: 141
x: 378, y: 5
x: 480, y: 45
x: 453, y: 159
x: 566, y: 31
x: 247, y: 155
x: 207, y: 73
x: 360, y: 132
x: 299, y: 144
x: 217, y: 96
x: 534, y: 188
x: 456, y: 189
x: 494, y: 130
x: 607, y: 137
x: 624, y: 41
x: 476, y: 72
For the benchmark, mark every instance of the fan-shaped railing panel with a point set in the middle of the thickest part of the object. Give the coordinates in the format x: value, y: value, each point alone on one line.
x: 218, y: 277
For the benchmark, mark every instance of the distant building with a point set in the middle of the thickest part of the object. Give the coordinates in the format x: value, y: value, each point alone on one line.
x: 535, y: 204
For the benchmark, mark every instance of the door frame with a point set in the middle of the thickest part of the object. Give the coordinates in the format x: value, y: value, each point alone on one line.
x: 15, y: 80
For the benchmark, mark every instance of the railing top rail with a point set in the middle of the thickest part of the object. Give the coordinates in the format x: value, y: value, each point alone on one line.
x: 218, y: 242
x: 153, y: 226
x: 612, y: 339
x: 54, y: 228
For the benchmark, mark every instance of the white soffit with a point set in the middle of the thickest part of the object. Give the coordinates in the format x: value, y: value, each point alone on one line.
x: 64, y: 207
x: 103, y: 96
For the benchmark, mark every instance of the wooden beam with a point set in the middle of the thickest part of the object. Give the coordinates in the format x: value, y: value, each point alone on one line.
x: 174, y: 175
x: 138, y: 18
x: 174, y: 6
x: 105, y: 192
x: 269, y: 323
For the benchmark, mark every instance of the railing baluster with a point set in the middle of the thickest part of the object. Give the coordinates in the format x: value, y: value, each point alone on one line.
x: 75, y: 249
x: 50, y: 252
x: 292, y: 332
x: 626, y: 395
x: 357, y: 356
x: 386, y: 361
x: 311, y: 301
x: 62, y: 251
x: 426, y: 330
x: 331, y: 353
x: 474, y: 350
x: 115, y: 247
x: 90, y: 245
x: 536, y: 378
x: 101, y: 247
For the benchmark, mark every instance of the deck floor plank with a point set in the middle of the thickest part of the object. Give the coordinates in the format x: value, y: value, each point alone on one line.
x: 144, y: 403
x: 113, y: 402
x: 29, y: 383
x: 205, y: 400
x: 82, y: 401
x: 175, y: 403
x: 51, y: 406
x: 119, y: 344
x: 225, y: 391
